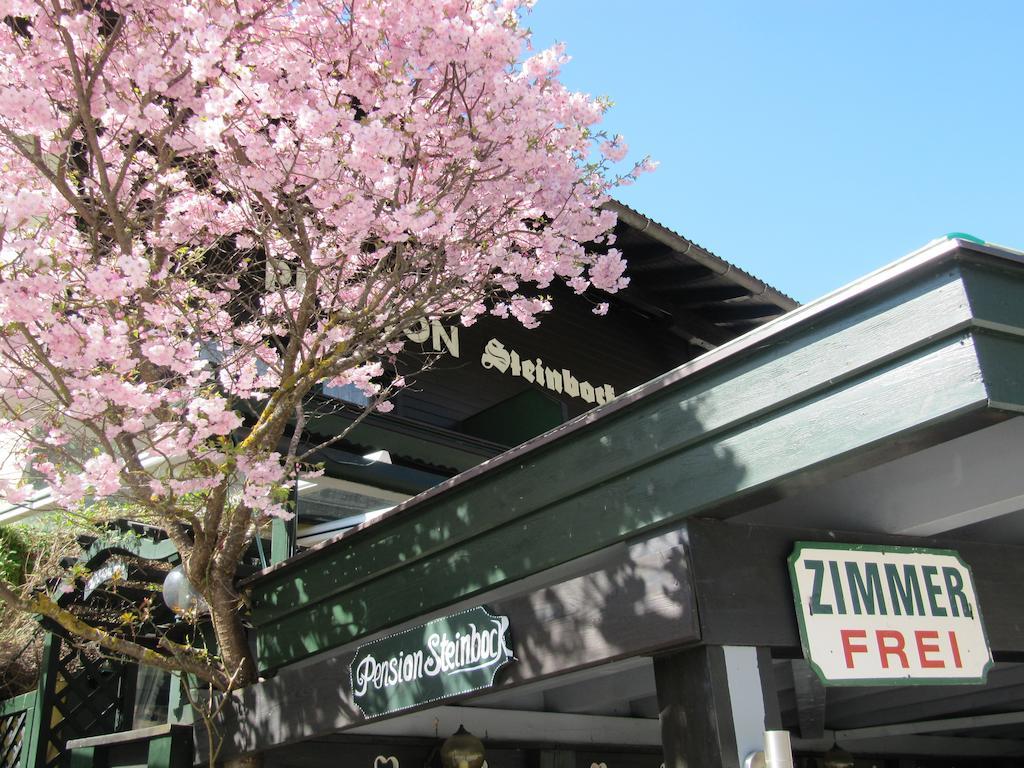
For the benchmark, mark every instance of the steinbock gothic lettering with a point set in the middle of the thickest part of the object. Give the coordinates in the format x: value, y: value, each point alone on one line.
x: 561, y: 380
x: 437, y: 660
x: 496, y: 356
x: 463, y: 652
x: 441, y: 339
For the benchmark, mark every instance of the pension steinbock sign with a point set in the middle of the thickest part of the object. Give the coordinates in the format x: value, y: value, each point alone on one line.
x: 878, y: 615
x: 443, y: 658
x: 496, y: 356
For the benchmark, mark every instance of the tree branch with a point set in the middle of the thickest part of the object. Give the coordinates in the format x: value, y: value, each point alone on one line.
x: 184, y: 659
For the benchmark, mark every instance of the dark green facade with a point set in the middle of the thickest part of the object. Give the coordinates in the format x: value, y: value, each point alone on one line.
x: 816, y: 392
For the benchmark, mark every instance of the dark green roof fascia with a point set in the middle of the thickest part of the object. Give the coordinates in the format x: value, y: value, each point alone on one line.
x: 349, y: 466
x: 911, y: 350
x: 406, y: 439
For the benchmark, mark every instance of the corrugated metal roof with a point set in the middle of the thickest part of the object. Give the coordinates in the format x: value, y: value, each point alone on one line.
x: 701, y: 255
x: 701, y: 297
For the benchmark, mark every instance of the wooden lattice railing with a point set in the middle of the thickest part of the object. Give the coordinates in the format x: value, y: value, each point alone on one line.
x: 77, y: 697
x: 85, y: 697
x: 17, y: 731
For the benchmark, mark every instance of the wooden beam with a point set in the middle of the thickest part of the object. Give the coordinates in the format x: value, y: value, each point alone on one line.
x: 684, y: 322
x: 915, y: 745
x: 670, y: 420
x: 531, y: 695
x: 810, y: 700
x: 519, y: 726
x: 971, y: 723
x: 731, y: 312
x: 556, y: 758
x: 660, y: 260
x: 638, y: 602
x: 359, y: 590
x: 138, y: 735
x: 590, y: 695
x: 944, y: 746
x: 693, y: 697
x: 715, y: 705
x: 873, y: 706
x: 689, y: 295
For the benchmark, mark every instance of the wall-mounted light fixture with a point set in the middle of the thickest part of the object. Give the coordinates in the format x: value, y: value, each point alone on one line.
x: 837, y: 757
x: 179, y: 594
x: 462, y: 750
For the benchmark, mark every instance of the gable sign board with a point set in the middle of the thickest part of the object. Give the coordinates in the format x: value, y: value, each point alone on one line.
x: 496, y: 356
x: 878, y: 615
x: 443, y: 658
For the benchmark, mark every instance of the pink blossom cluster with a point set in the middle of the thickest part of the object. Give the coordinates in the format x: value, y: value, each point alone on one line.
x: 207, y: 208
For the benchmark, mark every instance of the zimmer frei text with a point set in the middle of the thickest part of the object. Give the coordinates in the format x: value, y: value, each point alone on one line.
x: 892, y: 614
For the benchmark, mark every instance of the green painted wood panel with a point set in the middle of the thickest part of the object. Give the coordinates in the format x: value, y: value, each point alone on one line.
x: 994, y: 292
x: 1002, y: 357
x: 416, y: 443
x: 133, y: 545
x: 871, y: 410
x: 280, y: 541
x: 23, y: 704
x: 30, y: 737
x: 855, y: 380
x: 168, y: 752
x: 40, y: 732
x: 85, y: 757
x: 789, y: 369
x: 20, y: 703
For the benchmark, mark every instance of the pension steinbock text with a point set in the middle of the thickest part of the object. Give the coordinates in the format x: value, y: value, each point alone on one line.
x: 438, y: 660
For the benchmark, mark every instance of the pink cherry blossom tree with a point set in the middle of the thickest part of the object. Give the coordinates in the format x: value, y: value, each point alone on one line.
x: 383, y: 161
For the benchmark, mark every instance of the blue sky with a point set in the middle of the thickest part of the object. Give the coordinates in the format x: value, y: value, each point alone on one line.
x: 809, y: 142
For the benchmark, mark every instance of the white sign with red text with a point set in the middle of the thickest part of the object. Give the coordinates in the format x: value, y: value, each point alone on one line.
x: 872, y: 615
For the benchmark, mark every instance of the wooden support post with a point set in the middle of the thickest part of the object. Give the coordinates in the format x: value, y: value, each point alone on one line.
x: 39, y: 740
x: 169, y: 751
x: 810, y: 700
x: 128, y: 688
x: 280, y: 541
x: 88, y: 757
x: 178, y: 708
x: 716, y: 702
x: 30, y: 735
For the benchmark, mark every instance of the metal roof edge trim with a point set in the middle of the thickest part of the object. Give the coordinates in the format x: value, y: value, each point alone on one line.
x: 933, y: 253
x: 701, y: 255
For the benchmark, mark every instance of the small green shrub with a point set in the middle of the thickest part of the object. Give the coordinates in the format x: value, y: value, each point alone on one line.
x: 14, y: 553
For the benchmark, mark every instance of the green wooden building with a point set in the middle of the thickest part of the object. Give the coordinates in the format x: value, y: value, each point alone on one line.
x: 804, y: 521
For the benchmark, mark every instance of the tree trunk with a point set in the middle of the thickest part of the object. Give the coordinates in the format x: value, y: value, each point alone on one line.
x: 232, y: 643
x: 236, y: 656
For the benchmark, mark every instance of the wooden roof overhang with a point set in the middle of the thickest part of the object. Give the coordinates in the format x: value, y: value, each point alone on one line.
x: 697, y: 299
x: 921, y: 351
x: 702, y: 298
